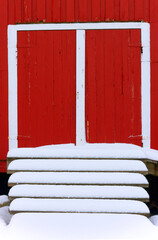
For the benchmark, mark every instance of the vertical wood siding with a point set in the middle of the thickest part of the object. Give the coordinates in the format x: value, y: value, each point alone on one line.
x: 33, y: 11
x: 113, y: 86
x: 26, y: 11
x: 46, y: 88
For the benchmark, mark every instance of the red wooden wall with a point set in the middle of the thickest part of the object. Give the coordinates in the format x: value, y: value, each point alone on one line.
x: 33, y: 11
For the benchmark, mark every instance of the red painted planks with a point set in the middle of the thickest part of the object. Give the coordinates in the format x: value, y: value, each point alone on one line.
x: 82, y: 10
x: 96, y: 10
x: 153, y: 11
x: 126, y: 87
x: 3, y: 38
x: 41, y: 11
x: 110, y: 10
x: 102, y: 11
x: 117, y: 10
x: 34, y: 11
x: 124, y: 8
x: 11, y: 12
x: 63, y: 11
x: 135, y: 83
x: 3, y: 81
x: 3, y: 115
x: 113, y: 92
x: 146, y: 14
x: 90, y: 80
x: 154, y: 39
x: 100, y: 96
x: 56, y: 13
x: 25, y: 61
x: 109, y: 86
x: 139, y: 7
x: 79, y: 11
x: 48, y: 10
x: 118, y: 87
x: 27, y: 11
x: 70, y: 10
x: 131, y: 6
x: 18, y: 11
x: 46, y: 88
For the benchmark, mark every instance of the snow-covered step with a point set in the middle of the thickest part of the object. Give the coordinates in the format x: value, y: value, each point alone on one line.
x: 95, y: 165
x: 78, y: 206
x: 4, y: 201
x: 91, y: 178
x: 69, y: 191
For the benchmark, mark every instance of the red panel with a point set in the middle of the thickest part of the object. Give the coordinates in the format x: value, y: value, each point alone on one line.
x: 3, y: 39
x: 118, y: 87
x: 146, y: 16
x: 117, y: 10
x: 11, y: 12
x: 124, y: 8
x: 82, y: 10
x: 3, y: 115
x: 109, y: 87
x: 27, y: 10
x: 41, y: 11
x: 102, y: 12
x: 100, y: 101
x: 46, y: 88
x: 70, y: 10
x: 89, y: 12
x: 110, y: 9
x: 139, y: 7
x: 18, y: 11
x: 154, y: 42
x: 34, y: 10
x: 96, y: 10
x: 3, y: 81
x: 113, y: 86
x: 153, y: 11
x: 56, y: 11
x: 135, y: 83
x: 48, y: 10
x: 91, y: 110
x: 63, y: 10
x: 131, y: 4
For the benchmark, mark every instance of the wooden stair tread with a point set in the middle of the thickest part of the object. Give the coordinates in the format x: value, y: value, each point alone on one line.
x: 77, y: 165
x: 78, y: 205
x: 77, y: 178
x: 69, y: 191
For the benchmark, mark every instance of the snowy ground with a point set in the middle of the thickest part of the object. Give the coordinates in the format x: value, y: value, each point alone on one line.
x: 68, y: 226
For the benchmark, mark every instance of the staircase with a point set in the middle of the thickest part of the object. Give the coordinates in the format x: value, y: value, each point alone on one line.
x: 78, y: 185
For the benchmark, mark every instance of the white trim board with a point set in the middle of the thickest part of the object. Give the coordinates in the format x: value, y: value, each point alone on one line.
x: 80, y: 73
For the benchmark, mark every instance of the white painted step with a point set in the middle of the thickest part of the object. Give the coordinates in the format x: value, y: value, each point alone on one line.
x: 77, y: 178
x: 69, y: 191
x: 77, y: 165
x: 78, y: 205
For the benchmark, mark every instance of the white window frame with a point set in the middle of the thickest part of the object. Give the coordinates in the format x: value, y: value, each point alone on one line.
x: 80, y: 73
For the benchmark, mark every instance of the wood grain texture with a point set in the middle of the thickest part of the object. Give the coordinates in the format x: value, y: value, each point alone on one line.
x: 46, y: 88
x: 113, y: 86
